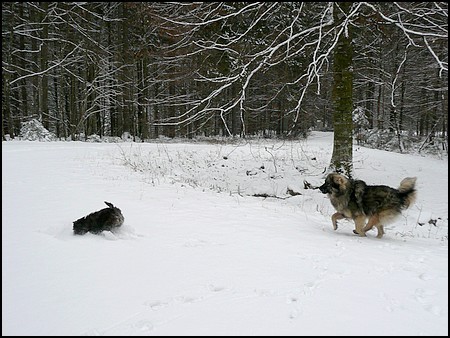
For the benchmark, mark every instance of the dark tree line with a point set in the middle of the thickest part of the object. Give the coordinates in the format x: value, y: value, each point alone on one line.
x: 233, y: 68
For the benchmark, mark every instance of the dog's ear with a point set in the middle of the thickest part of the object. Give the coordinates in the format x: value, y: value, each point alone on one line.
x: 340, y: 180
x: 109, y: 204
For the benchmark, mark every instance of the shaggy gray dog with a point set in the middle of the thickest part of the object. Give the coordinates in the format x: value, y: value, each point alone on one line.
x: 106, y: 219
x: 376, y: 204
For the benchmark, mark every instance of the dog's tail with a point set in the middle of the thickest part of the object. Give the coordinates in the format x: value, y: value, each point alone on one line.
x: 407, y: 191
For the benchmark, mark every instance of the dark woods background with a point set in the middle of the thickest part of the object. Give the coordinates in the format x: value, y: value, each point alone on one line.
x: 220, y: 69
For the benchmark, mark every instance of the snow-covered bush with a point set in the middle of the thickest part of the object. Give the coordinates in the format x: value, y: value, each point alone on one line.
x: 94, y: 138
x: 360, y: 120
x: 33, y: 130
x: 127, y: 137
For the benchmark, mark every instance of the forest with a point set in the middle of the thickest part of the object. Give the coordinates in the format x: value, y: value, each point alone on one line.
x: 232, y: 69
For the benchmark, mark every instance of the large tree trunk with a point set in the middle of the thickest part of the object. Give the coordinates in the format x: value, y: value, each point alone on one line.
x: 342, y: 159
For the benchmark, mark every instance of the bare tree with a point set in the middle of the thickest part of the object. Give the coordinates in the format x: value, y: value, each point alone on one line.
x: 225, y: 68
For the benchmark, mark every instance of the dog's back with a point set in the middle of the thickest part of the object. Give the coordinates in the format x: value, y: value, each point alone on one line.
x: 381, y: 198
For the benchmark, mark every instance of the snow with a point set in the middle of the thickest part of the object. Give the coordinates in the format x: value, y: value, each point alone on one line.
x: 198, y: 254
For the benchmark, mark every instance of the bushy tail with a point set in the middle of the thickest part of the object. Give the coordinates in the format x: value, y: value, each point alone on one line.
x: 407, y: 191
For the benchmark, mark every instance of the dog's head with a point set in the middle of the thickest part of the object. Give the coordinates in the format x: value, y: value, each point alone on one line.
x: 334, y: 183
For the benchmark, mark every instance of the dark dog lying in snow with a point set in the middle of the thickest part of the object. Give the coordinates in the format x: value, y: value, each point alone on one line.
x: 96, y: 222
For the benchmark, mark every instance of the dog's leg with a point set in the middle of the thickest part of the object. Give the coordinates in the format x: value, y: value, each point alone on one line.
x: 335, y: 218
x: 359, y: 225
x: 380, y: 230
x: 373, y: 221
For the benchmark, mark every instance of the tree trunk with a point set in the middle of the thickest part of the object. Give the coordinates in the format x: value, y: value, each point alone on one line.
x: 342, y: 159
x: 44, y: 111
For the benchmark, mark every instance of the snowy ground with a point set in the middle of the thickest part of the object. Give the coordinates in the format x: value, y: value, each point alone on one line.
x: 200, y: 255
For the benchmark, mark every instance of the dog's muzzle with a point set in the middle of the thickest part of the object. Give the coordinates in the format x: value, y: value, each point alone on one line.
x: 325, y: 188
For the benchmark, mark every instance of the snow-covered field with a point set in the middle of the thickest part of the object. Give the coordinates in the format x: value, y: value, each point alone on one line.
x: 200, y: 254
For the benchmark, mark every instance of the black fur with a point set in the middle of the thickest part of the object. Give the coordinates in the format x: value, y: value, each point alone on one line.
x: 96, y: 222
